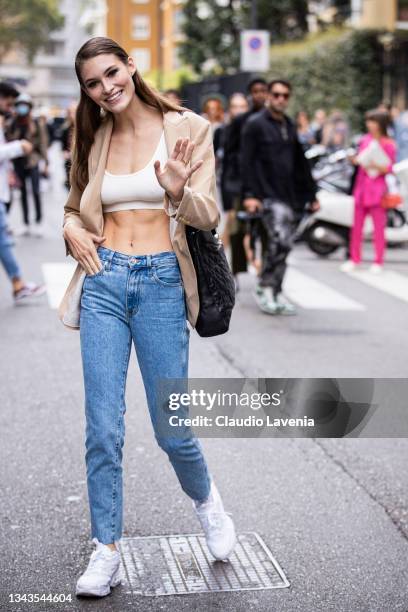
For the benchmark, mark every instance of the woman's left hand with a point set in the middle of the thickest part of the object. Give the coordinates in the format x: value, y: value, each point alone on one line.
x: 175, y: 173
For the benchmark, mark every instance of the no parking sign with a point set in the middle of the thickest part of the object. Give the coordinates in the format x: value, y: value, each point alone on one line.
x: 255, y: 50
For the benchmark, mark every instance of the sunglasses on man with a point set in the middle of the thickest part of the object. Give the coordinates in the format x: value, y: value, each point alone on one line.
x: 278, y: 94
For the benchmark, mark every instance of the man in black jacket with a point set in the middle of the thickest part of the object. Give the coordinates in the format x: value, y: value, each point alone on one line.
x: 277, y: 181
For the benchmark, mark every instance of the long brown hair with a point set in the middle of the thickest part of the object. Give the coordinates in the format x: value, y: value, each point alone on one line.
x: 88, y: 117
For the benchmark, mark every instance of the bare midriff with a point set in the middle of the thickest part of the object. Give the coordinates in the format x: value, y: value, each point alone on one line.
x: 137, y: 232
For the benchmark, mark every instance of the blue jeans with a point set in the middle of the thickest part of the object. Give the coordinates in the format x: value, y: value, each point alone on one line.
x: 139, y: 298
x: 6, y: 252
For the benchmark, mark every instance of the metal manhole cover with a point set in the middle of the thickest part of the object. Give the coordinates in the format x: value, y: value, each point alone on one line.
x: 182, y: 564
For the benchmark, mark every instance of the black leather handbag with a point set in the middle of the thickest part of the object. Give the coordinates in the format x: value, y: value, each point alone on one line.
x: 216, y: 287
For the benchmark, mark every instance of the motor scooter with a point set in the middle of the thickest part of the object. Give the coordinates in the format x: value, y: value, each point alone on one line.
x: 328, y: 229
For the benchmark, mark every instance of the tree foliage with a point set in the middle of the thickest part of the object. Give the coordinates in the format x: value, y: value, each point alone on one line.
x: 212, y: 29
x: 344, y: 73
x: 27, y: 23
x: 284, y: 19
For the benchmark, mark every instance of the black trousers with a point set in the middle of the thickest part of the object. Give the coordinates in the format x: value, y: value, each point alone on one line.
x: 34, y: 175
x: 279, y: 223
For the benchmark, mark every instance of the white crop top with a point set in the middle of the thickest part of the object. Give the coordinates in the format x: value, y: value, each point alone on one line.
x: 138, y: 190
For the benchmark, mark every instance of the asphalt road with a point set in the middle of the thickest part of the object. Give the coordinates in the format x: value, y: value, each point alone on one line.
x: 333, y: 512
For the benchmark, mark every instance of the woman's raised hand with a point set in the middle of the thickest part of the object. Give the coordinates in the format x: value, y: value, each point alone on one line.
x: 82, y: 247
x: 175, y: 173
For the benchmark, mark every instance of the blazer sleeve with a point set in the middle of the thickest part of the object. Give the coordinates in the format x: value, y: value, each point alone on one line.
x: 198, y: 206
x: 71, y: 211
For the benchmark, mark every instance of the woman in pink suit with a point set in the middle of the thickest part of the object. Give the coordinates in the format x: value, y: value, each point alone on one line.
x: 368, y: 192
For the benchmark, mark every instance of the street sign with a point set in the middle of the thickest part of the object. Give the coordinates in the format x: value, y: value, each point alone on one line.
x: 255, y: 50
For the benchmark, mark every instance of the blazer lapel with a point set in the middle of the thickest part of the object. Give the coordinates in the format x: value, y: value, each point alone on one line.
x: 175, y: 126
x: 91, y: 205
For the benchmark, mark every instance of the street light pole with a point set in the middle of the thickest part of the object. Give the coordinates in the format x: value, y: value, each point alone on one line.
x: 254, y: 14
x: 387, y: 40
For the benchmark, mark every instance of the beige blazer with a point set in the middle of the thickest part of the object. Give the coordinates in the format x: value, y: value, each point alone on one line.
x: 197, y: 208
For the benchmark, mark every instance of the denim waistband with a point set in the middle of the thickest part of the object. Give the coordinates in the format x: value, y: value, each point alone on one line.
x: 140, y: 261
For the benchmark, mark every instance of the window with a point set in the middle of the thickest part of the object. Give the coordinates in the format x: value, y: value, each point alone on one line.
x: 54, y: 47
x: 403, y: 10
x: 142, y: 59
x: 178, y: 20
x: 140, y: 27
x: 177, y: 61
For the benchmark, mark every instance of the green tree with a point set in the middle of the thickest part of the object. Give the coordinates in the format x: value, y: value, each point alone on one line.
x: 285, y: 19
x: 28, y: 24
x: 343, y: 72
x: 212, y: 29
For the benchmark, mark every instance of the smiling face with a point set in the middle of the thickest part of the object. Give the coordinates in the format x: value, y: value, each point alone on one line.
x: 108, y: 81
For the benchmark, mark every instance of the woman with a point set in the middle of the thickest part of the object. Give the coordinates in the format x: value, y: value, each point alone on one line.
x: 213, y: 111
x: 26, y: 167
x: 229, y: 186
x: 304, y: 130
x: 133, y: 170
x: 369, y: 188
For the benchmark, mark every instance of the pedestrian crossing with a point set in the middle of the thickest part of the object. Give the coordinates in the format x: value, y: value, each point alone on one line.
x: 388, y: 281
x: 309, y: 293
x: 300, y: 287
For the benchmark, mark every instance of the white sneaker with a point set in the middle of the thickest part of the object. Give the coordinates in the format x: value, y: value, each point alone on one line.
x: 38, y: 229
x: 102, y: 573
x: 348, y: 266
x: 29, y: 293
x: 285, y: 307
x: 265, y: 300
x: 217, y: 525
x: 376, y: 268
x: 23, y: 230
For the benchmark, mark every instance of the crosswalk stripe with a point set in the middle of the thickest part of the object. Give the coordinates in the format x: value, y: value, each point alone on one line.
x: 57, y: 277
x: 309, y: 293
x: 303, y: 289
x: 388, y: 281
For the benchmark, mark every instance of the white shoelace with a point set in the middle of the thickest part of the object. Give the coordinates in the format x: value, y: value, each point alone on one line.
x: 93, y: 565
x: 215, y: 520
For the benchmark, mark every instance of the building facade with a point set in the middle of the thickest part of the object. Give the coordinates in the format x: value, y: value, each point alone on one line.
x: 150, y: 30
x: 51, y: 80
x: 390, y: 18
x: 390, y: 15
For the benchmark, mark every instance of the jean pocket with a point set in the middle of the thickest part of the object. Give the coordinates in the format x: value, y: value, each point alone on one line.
x: 168, y: 275
x: 99, y: 273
